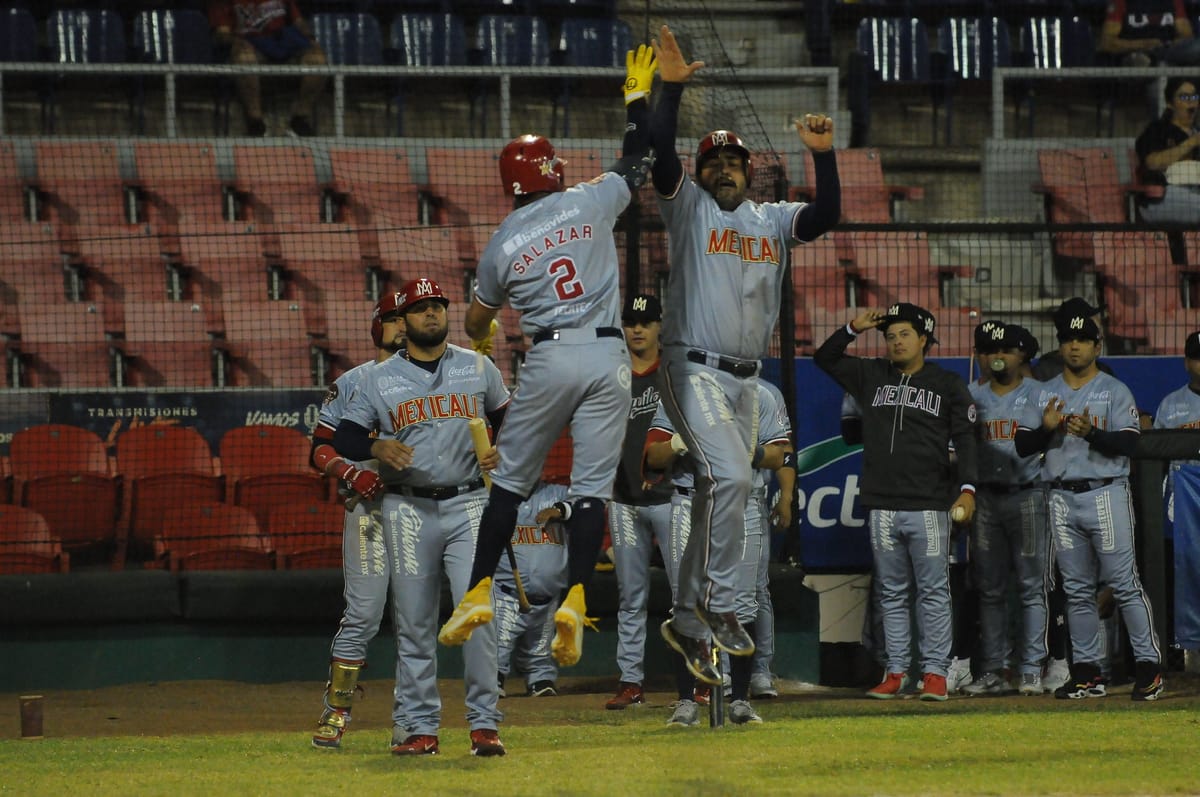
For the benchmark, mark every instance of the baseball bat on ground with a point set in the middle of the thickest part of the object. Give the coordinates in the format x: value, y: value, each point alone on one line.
x: 479, y: 437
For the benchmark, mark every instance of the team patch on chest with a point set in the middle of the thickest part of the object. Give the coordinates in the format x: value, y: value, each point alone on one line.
x: 750, y: 248
x: 431, y: 408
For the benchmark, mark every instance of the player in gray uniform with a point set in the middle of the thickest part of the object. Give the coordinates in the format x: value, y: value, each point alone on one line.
x: 778, y: 432
x: 422, y: 403
x: 1010, y: 532
x: 639, y: 516
x: 366, y: 556
x: 1086, y: 422
x: 728, y: 261
x: 541, y: 553
x: 912, y: 411
x: 554, y: 259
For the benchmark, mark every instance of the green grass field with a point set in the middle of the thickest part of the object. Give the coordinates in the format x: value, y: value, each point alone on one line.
x: 828, y: 743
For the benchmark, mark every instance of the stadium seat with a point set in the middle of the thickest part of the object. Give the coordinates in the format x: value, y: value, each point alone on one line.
x: 267, y: 466
x: 178, y: 182
x: 208, y: 536
x: 163, y: 466
x: 373, y: 188
x: 18, y: 34
x: 972, y: 47
x: 64, y: 345
x: 62, y: 473
x: 587, y: 43
x: 819, y: 275
x: 273, y: 344
x: 1082, y: 186
x: 465, y: 187
x: 1053, y: 43
x: 81, y: 36
x: 348, y: 335
x: 176, y: 36
x: 27, y: 545
x: 425, y: 40
x: 1140, y: 283
x: 349, y: 38
x: 893, y: 267
x: 13, y: 208
x: 277, y: 184
x: 506, y: 40
x: 866, y: 195
x: 79, y: 183
x: 891, y: 52
x: 169, y: 344
x: 323, y: 262
x: 307, y: 535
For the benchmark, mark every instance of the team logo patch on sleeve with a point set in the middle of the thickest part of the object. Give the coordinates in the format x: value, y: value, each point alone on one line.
x: 971, y: 413
x: 331, y: 394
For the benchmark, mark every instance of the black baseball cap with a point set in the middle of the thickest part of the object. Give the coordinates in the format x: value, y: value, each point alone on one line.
x: 1024, y: 341
x: 1074, y: 307
x: 989, y: 335
x: 920, y: 318
x: 641, y: 307
x: 1191, y: 349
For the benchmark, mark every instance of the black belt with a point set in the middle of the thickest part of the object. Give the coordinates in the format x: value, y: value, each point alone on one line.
x: 552, y: 334
x: 1007, y: 489
x: 534, y: 600
x: 436, y: 493
x: 1081, y: 485
x: 684, y: 491
x: 743, y: 369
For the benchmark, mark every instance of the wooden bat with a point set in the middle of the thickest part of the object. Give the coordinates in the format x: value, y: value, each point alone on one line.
x: 479, y: 437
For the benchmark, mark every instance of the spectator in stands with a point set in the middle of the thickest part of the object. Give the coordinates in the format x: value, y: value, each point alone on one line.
x: 274, y: 32
x: 1149, y: 32
x: 1169, y: 155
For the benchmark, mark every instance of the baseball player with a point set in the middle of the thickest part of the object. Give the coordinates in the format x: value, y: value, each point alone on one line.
x: 912, y: 411
x: 366, y: 556
x: 1010, y: 532
x: 1180, y: 409
x: 666, y: 452
x: 779, y: 518
x: 728, y: 260
x: 554, y: 259
x: 639, y: 516
x: 422, y: 403
x: 1086, y: 423
x: 541, y: 553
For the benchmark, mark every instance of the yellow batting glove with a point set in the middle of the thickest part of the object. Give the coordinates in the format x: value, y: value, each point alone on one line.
x: 484, y: 345
x: 640, y: 67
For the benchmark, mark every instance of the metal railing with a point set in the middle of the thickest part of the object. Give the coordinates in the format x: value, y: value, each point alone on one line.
x: 1118, y: 74
x: 504, y: 77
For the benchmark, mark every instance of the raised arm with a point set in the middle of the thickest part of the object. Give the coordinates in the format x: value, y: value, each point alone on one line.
x: 820, y: 215
x: 675, y: 71
x: 636, y: 153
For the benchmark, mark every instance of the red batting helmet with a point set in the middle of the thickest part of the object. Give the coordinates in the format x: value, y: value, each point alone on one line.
x: 388, y: 303
x: 419, y: 290
x: 528, y: 165
x: 712, y: 144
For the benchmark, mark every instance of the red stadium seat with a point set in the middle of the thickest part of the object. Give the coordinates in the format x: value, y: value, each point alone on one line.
x: 207, y: 536
x: 375, y: 191
x: 1141, y: 283
x: 79, y: 183
x: 267, y: 466
x: 169, y: 344
x: 12, y: 187
x: 465, y: 187
x: 49, y: 360
x: 26, y: 544
x: 893, y: 267
x: 63, y: 473
x: 348, y: 334
x: 323, y: 262
x: 307, y: 535
x: 162, y: 465
x: 277, y: 184
x: 179, y: 183
x: 866, y: 196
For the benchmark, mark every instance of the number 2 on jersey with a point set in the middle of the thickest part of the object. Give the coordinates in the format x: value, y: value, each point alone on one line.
x: 566, y: 284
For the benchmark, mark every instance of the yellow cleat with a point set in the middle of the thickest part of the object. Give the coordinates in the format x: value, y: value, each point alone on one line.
x: 474, y: 610
x: 569, y: 622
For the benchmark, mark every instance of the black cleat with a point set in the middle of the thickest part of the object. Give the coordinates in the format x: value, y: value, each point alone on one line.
x: 697, y: 653
x: 727, y: 632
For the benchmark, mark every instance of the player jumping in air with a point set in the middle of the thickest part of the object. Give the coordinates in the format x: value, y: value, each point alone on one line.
x: 554, y: 259
x: 728, y: 260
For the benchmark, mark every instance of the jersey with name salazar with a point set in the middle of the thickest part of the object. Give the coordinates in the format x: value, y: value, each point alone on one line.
x: 429, y: 412
x: 999, y: 462
x: 555, y: 259
x: 1069, y: 457
x: 727, y: 268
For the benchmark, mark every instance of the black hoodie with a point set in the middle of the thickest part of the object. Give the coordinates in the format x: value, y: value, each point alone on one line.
x: 908, y: 422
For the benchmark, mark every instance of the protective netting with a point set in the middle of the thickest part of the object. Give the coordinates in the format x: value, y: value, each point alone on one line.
x: 156, y: 261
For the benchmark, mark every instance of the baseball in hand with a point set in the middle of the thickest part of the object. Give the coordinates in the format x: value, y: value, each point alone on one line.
x: 958, y: 514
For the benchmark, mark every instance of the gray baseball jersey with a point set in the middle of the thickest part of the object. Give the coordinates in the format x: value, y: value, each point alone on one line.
x: 523, y: 640
x: 1010, y: 532
x: 774, y: 426
x: 566, y: 236
x: 429, y: 535
x: 1179, y: 409
x: 1092, y: 522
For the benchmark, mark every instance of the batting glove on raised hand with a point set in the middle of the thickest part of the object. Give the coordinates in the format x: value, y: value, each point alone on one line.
x: 364, y: 482
x: 640, y: 66
x: 485, y: 344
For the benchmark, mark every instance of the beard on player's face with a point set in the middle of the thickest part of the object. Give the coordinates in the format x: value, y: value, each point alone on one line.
x: 427, y: 336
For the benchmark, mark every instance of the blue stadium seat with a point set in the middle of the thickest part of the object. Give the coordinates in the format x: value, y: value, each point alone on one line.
x: 353, y: 39
x: 972, y: 47
x: 18, y: 35
x: 513, y: 40
x: 1053, y: 43
x: 81, y: 36
x: 892, y: 51
x: 425, y: 40
x: 181, y: 36
x: 589, y: 43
